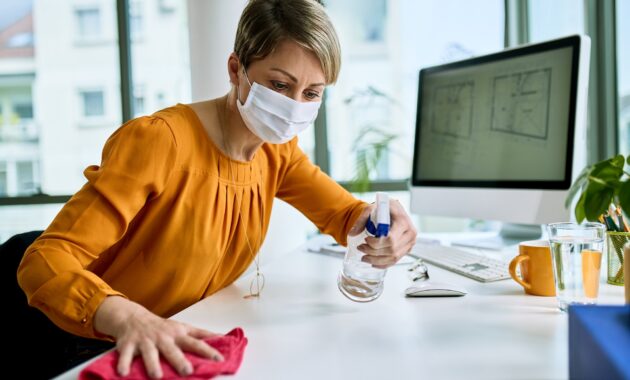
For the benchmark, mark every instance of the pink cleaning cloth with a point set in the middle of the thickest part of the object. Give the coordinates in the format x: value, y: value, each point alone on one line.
x: 231, y: 346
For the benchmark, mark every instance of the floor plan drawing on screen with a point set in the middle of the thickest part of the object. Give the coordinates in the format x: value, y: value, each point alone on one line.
x: 452, y: 113
x: 521, y: 103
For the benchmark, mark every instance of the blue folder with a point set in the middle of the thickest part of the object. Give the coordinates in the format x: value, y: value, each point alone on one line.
x: 599, y: 342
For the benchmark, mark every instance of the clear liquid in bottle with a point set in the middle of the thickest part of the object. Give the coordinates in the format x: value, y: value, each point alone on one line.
x: 358, y: 280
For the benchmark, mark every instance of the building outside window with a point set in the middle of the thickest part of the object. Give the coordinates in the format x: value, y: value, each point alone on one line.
x: 93, y: 103
x: 138, y: 100
x: 24, y: 111
x: 61, y: 82
x: 3, y: 178
x: 136, y: 20
x: 26, y: 178
x: 88, y: 23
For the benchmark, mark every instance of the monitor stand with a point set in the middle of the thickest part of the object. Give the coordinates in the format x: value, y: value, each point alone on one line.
x: 510, y: 234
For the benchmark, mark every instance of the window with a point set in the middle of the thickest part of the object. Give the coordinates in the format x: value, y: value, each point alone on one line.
x: 138, y: 101
x: 20, y: 40
x: 160, y: 100
x: 136, y: 21
x: 25, y: 178
x: 168, y: 6
x: 24, y: 110
x: 48, y: 91
x: 159, y: 59
x: 89, y: 23
x: 385, y: 43
x: 54, y: 162
x: 623, y: 76
x: 552, y: 19
x: 3, y: 179
x: 93, y: 103
x: 15, y: 98
x: 22, y: 126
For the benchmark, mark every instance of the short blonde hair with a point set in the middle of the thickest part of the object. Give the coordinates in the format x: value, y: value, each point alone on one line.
x: 265, y: 23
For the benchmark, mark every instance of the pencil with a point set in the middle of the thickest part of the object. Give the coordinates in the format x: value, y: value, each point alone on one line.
x: 622, y: 221
x: 612, y: 226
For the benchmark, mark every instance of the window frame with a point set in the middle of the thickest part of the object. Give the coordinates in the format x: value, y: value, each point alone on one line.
x: 516, y: 31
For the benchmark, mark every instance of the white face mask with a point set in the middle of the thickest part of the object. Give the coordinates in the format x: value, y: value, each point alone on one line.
x: 273, y: 117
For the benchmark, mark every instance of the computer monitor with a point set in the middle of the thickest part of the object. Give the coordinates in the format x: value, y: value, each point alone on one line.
x: 497, y: 135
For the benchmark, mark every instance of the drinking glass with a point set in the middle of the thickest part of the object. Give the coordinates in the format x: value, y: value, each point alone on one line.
x: 576, y: 252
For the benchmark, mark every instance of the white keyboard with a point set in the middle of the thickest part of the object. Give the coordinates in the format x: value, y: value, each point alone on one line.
x: 462, y: 262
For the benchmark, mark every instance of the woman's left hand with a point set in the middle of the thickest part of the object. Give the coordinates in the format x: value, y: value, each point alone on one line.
x: 385, y: 251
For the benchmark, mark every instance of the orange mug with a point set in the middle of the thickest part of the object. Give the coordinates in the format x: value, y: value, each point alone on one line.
x: 536, y: 268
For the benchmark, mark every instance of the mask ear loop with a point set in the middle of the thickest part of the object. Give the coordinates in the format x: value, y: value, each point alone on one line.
x: 238, y: 88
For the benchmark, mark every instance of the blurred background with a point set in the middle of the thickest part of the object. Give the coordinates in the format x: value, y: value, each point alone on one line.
x: 72, y: 71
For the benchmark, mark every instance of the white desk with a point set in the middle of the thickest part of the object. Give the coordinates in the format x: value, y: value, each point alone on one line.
x: 303, y: 328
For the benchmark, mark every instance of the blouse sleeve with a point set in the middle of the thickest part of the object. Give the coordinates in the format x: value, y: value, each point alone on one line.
x: 136, y: 164
x: 328, y: 205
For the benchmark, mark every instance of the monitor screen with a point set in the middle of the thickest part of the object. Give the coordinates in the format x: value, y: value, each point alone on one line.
x: 504, y: 120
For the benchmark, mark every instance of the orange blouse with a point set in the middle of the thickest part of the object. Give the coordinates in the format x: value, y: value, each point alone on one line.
x: 158, y: 222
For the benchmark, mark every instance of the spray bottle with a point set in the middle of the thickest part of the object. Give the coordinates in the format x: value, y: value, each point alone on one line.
x: 358, y: 280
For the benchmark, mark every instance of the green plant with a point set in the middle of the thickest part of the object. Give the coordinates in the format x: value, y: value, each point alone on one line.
x: 375, y: 136
x: 600, y: 185
x: 369, y: 149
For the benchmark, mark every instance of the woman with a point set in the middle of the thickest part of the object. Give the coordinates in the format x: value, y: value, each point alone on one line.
x: 180, y: 204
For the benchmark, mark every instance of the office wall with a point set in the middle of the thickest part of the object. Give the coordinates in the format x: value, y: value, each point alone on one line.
x: 212, y: 27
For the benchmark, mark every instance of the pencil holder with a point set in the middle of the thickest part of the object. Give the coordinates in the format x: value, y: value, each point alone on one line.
x: 614, y: 247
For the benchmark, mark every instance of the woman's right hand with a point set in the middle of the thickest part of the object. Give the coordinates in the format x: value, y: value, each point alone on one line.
x: 137, y: 331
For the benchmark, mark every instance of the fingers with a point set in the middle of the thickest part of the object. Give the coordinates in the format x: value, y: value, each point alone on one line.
x: 359, y: 224
x: 174, y: 355
x: 385, y: 241
x: 124, y: 359
x: 388, y: 245
x: 400, y: 224
x: 151, y: 359
x: 390, y: 255
x: 385, y: 251
x: 200, y: 333
x: 395, y: 208
x: 171, y: 350
x: 199, y: 347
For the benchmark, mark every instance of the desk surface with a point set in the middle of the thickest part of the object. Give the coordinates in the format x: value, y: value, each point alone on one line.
x: 303, y: 328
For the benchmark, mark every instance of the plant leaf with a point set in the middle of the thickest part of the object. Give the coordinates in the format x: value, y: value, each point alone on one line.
x: 624, y: 196
x: 613, y: 161
x: 628, y: 160
x: 579, y: 209
x: 618, y: 161
x: 578, y: 185
x: 597, y: 198
x: 610, y: 174
x: 361, y: 180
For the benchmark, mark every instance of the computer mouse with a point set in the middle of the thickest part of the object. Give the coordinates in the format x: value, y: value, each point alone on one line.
x: 434, y: 289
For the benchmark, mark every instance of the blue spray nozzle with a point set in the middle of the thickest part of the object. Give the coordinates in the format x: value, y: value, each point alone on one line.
x: 380, y: 225
x: 377, y: 230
